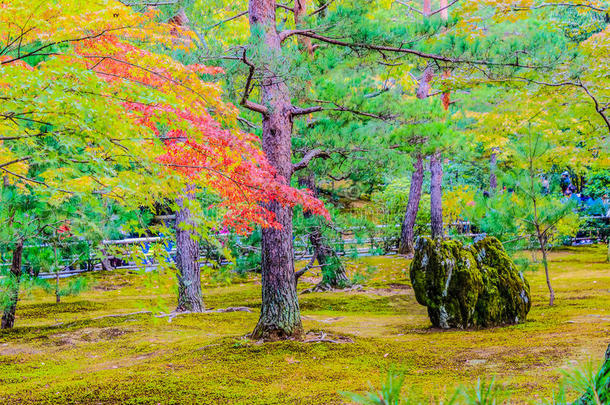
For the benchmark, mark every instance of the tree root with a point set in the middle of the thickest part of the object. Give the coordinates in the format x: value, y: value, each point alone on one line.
x: 323, y: 337
x: 324, y: 287
x: 174, y: 314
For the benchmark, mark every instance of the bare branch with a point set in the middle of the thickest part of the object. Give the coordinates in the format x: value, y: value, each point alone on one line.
x: 244, y: 99
x: 321, y: 8
x: 150, y: 3
x: 309, y: 156
x: 65, y: 41
x: 575, y: 5
x: 409, y: 7
x: 338, y: 107
x: 285, y: 7
x: 444, y: 8
x: 304, y: 270
x: 30, y: 180
x: 288, y: 33
x: 305, y: 111
x: 236, y: 16
x: 12, y: 162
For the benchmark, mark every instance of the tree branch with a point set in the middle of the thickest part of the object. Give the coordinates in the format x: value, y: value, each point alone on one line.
x: 575, y: 5
x: 321, y: 8
x: 309, y: 156
x: 339, y: 107
x: 424, y: 55
x: 34, y: 181
x: 409, y: 7
x: 444, y: 8
x: 304, y: 270
x: 244, y: 99
x: 65, y: 41
x: 288, y: 33
x: 236, y: 16
x: 305, y: 111
x: 15, y: 161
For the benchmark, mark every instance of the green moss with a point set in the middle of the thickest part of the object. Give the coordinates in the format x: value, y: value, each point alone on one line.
x: 71, y: 357
x: 464, y: 286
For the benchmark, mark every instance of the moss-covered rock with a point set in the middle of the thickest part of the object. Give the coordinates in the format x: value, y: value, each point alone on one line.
x: 465, y: 286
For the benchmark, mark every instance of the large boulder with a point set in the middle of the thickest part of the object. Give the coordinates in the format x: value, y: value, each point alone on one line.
x: 464, y: 286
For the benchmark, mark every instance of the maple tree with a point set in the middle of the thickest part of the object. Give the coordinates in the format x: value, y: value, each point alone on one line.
x: 87, y: 110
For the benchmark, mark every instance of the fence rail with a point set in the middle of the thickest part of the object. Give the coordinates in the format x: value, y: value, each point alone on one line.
x: 359, y: 246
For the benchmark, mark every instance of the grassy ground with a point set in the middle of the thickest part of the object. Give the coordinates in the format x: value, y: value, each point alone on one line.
x: 73, y: 353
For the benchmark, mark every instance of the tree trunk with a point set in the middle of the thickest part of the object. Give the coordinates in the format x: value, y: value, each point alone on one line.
x: 187, y: 257
x: 546, y: 267
x: 300, y: 11
x: 333, y: 270
x: 427, y: 9
x: 57, y: 295
x: 493, y: 180
x: 436, y: 195
x: 406, y: 246
x: 8, y: 317
x: 444, y: 10
x: 280, y: 316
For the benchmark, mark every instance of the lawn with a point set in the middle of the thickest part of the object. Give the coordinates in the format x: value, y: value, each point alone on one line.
x: 74, y: 352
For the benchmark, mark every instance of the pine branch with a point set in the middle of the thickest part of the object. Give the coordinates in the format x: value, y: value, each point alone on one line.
x: 244, y: 99
x: 424, y: 55
x: 321, y: 8
x: 309, y: 156
x: 574, y: 5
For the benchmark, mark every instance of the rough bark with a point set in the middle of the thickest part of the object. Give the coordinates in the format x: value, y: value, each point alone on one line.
x: 333, y: 270
x: 444, y: 10
x: 300, y: 11
x: 424, y: 83
x: 8, y: 317
x: 436, y: 195
x: 280, y: 316
x: 427, y: 9
x: 406, y: 245
x: 187, y: 257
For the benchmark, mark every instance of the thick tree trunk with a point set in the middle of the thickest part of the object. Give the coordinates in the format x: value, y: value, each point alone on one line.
x: 493, y: 180
x: 187, y: 257
x: 8, y: 317
x: 280, y: 316
x: 406, y: 245
x: 333, y: 270
x: 436, y: 195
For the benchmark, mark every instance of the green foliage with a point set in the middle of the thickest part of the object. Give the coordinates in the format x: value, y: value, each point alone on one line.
x: 390, y: 393
x: 595, y: 386
x: 598, y: 184
x: 361, y: 277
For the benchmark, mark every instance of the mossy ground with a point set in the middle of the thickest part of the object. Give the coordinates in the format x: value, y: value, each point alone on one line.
x: 60, y: 353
